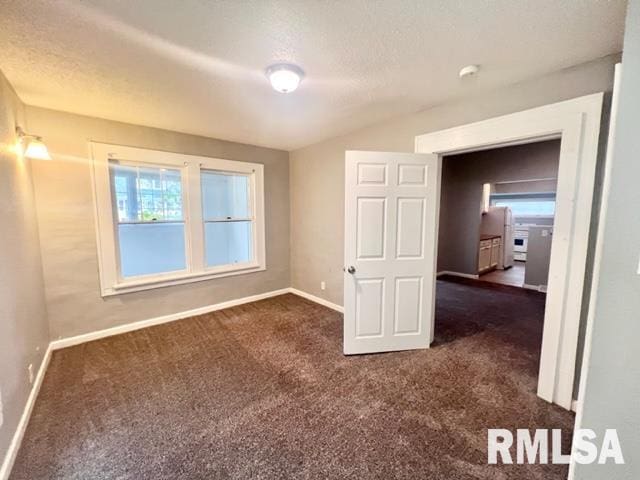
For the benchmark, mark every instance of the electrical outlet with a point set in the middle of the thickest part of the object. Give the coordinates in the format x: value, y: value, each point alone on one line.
x: 31, y: 373
x: 323, y: 285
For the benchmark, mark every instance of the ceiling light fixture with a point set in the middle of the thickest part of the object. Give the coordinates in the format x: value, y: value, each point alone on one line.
x: 284, y: 77
x: 469, y: 71
x: 32, y: 145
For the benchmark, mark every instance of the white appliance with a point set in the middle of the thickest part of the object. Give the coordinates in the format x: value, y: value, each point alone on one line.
x: 520, y: 241
x: 499, y: 221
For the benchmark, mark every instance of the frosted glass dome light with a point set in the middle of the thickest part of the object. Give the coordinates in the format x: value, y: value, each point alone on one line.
x: 284, y: 77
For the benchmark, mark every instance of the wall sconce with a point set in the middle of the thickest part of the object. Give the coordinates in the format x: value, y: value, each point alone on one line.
x: 32, y: 145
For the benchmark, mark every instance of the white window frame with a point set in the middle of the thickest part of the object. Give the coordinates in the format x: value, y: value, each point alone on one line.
x: 111, y: 283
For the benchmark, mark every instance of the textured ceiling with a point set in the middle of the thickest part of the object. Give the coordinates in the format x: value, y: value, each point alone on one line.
x: 197, y: 66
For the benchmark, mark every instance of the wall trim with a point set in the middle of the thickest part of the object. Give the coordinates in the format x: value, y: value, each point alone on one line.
x: 16, y: 441
x: 313, y: 298
x: 458, y: 274
x: 129, y: 327
x: 14, y: 446
x: 537, y: 288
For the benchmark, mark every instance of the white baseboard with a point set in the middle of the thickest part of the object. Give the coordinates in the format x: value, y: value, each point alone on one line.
x: 537, y: 288
x: 14, y: 446
x: 315, y: 299
x: 574, y: 405
x: 129, y: 327
x: 458, y: 274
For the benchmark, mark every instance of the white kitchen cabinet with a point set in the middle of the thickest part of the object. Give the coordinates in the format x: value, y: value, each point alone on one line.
x: 484, y: 257
x: 495, y: 252
x: 489, y: 254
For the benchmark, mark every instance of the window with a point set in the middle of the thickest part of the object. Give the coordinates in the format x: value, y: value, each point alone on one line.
x: 527, y: 204
x: 166, y: 218
x: 227, y: 217
x: 150, y: 221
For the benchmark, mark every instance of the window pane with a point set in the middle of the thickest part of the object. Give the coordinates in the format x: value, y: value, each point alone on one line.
x: 151, y: 248
x: 224, y: 195
x: 523, y: 208
x: 147, y: 194
x: 227, y: 243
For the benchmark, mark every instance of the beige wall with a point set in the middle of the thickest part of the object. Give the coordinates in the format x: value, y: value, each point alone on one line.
x: 66, y: 219
x: 24, y: 333
x: 317, y: 171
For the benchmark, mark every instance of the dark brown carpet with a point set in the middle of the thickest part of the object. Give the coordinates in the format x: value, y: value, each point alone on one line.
x: 263, y: 391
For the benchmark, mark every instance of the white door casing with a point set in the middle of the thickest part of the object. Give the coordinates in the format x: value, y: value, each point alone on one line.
x: 577, y: 123
x: 391, y: 202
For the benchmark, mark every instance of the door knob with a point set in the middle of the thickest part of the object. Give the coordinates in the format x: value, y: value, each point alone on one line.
x: 351, y: 269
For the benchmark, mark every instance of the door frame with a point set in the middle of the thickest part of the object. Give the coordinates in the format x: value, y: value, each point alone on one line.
x: 576, y: 123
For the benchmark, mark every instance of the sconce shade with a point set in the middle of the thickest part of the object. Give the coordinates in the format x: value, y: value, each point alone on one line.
x: 36, y: 150
x: 32, y: 145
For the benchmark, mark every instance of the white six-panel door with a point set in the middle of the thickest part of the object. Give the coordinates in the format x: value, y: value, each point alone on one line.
x: 391, y: 203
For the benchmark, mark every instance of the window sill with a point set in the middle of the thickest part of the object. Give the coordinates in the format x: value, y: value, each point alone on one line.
x: 179, y: 279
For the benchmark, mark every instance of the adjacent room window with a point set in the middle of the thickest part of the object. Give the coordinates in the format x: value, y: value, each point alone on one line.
x: 527, y: 204
x: 166, y: 218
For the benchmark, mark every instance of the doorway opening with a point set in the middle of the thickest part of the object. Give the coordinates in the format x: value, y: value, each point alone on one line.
x: 577, y: 124
x: 497, y: 209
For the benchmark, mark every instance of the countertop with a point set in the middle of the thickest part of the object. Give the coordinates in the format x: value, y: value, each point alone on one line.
x: 486, y: 236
